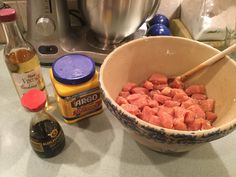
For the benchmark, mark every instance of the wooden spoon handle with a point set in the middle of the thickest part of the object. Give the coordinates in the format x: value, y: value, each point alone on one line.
x: 208, y: 62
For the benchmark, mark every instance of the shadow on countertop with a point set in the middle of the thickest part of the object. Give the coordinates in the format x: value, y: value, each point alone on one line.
x: 199, y: 162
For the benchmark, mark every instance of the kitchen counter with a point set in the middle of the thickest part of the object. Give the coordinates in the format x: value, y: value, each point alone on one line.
x: 98, y: 147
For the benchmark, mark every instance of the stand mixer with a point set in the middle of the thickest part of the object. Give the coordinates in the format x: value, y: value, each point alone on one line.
x: 109, y: 23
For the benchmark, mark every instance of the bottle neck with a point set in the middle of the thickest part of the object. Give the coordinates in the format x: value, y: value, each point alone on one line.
x: 13, y: 34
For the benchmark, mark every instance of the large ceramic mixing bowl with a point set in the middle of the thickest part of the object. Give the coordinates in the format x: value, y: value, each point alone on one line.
x: 114, y: 20
x: 137, y: 60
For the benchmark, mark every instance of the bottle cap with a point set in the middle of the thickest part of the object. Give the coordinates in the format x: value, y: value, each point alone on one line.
x: 73, y: 69
x: 7, y: 15
x: 34, y: 100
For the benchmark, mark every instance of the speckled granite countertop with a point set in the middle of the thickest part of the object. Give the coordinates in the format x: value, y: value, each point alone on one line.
x: 98, y: 147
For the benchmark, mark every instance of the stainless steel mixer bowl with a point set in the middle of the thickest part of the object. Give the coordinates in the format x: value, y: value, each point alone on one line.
x: 114, y: 20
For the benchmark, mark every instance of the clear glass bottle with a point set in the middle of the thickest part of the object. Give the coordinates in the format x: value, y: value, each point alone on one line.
x: 46, y: 135
x: 20, y: 57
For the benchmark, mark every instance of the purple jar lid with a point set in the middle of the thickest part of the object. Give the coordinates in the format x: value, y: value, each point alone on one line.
x: 7, y: 15
x: 73, y: 69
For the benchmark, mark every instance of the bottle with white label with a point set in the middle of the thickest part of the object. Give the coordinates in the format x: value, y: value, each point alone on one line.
x: 20, y: 57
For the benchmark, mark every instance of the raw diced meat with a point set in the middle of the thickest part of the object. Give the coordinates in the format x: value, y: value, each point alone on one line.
x: 138, y: 100
x: 155, y: 110
x: 177, y: 83
x: 170, y: 103
x: 124, y: 94
x: 179, y: 124
x: 147, y: 112
x: 211, y: 116
x: 133, y: 97
x: 180, y: 97
x: 207, y: 105
x: 206, y: 125
x: 152, y: 103
x: 198, y: 96
x: 161, y: 98
x: 167, y: 91
x: 196, y: 124
x: 158, y: 78
x: 160, y: 86
x: 189, y: 103
x: 129, y: 86
x: 155, y: 120
x: 148, y: 85
x: 177, y: 91
x: 193, y: 89
x: 140, y: 90
x: 153, y: 92
x: 189, y: 117
x: 132, y: 109
x: 169, y: 106
x: 180, y: 112
x: 167, y: 110
x: 121, y: 100
x: 197, y: 110
x: 165, y: 119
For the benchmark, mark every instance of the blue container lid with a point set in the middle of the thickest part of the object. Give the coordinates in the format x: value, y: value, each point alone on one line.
x: 73, y: 69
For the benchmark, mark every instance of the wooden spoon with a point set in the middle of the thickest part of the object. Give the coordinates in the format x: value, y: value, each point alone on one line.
x: 205, y: 64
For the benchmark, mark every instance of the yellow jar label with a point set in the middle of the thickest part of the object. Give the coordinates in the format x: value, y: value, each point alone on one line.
x: 80, y: 105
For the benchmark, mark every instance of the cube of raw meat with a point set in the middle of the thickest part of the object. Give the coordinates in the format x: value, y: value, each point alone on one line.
x: 189, y: 103
x: 161, y: 98
x: 189, y: 117
x: 206, y: 125
x: 167, y: 110
x: 170, y: 103
x: 211, y: 116
x: 132, y: 109
x: 148, y: 85
x: 177, y: 91
x: 193, y: 89
x: 140, y: 90
x: 138, y: 99
x: 199, y: 113
x: 121, y: 100
x: 198, y: 96
x: 158, y: 78
x: 129, y: 86
x: 196, y: 124
x: 177, y: 83
x: 124, y: 94
x: 179, y: 124
x: 180, y: 97
x: 152, y: 103
x: 165, y: 119
x: 167, y: 91
x: 180, y: 113
x: 133, y: 97
x: 207, y: 105
x: 155, y: 120
x: 147, y: 112
x: 159, y: 86
x: 153, y: 92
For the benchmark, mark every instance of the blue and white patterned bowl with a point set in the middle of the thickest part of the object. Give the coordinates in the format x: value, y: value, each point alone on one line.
x: 138, y: 59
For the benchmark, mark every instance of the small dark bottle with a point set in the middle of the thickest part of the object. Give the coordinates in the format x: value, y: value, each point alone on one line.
x: 46, y: 135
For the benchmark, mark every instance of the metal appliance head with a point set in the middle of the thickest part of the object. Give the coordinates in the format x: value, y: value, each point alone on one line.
x: 48, y: 28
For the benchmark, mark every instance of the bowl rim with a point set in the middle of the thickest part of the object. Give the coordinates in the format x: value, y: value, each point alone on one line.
x: 226, y: 126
